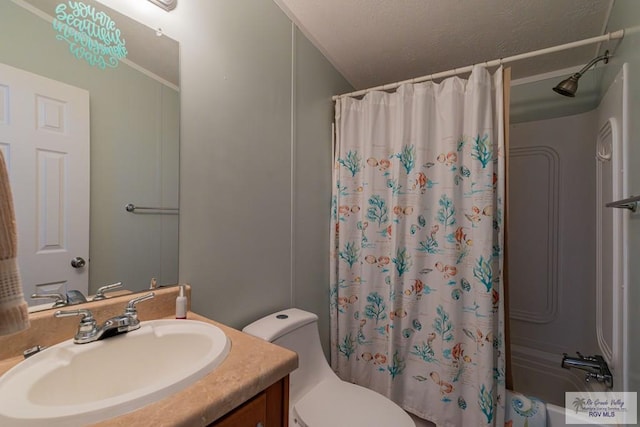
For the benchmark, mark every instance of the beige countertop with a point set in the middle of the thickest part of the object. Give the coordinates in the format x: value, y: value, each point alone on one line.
x: 251, y: 366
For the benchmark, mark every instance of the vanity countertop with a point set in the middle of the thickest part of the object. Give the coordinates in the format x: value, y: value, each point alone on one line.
x: 251, y: 366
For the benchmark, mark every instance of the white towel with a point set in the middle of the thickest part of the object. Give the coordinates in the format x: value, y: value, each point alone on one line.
x: 14, y: 314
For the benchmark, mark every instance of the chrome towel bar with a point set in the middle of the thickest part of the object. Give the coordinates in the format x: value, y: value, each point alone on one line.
x: 630, y: 203
x: 151, y: 210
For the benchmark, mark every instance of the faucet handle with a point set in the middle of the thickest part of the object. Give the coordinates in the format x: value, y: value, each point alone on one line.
x: 87, y: 315
x: 100, y: 295
x: 131, y: 305
x: 88, y: 326
x: 60, y: 299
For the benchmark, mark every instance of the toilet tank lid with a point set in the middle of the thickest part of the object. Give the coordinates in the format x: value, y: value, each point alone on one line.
x: 275, y: 325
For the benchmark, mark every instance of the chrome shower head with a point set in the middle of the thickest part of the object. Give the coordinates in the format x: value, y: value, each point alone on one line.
x: 568, y: 87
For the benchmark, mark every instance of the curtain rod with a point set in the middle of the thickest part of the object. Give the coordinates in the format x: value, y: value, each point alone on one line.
x: 605, y: 37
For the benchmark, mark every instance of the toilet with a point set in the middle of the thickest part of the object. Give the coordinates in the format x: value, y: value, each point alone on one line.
x: 317, y: 397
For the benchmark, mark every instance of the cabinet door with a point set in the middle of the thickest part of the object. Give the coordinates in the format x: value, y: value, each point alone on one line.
x: 269, y: 408
x: 251, y: 414
x: 278, y: 404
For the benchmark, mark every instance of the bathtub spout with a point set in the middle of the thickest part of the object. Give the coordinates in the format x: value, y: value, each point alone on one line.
x: 595, y: 366
x: 585, y: 363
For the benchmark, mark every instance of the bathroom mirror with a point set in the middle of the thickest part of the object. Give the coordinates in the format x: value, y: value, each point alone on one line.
x: 134, y: 119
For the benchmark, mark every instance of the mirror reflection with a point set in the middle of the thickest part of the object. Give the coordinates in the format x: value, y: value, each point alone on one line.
x: 81, y: 143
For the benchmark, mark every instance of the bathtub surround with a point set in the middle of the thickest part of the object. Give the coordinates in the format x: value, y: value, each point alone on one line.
x: 552, y: 234
x: 560, y: 303
x: 417, y: 247
x: 626, y: 14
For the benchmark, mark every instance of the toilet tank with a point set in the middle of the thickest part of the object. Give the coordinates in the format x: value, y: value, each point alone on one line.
x: 296, y: 330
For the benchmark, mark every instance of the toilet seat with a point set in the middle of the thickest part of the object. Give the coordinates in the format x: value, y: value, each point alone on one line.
x: 337, y: 403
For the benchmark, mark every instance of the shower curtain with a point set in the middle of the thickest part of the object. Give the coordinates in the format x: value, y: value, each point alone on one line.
x: 417, y: 247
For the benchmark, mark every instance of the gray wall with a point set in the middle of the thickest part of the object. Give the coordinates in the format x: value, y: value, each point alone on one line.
x: 626, y: 14
x: 252, y: 239
x: 235, y: 225
x: 134, y: 152
x: 316, y: 80
x: 255, y: 154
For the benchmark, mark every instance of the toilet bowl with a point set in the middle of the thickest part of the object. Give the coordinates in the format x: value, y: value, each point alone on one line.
x: 317, y: 397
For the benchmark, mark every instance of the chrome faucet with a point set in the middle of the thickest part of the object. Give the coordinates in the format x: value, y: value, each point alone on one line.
x: 75, y: 297
x: 89, y: 331
x: 595, y: 366
x: 72, y: 297
x: 60, y: 299
x: 100, y: 295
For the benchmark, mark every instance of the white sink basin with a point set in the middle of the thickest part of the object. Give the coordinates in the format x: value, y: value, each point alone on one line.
x: 77, y: 384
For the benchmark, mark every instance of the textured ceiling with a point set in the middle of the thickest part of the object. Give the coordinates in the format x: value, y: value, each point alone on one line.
x: 374, y: 42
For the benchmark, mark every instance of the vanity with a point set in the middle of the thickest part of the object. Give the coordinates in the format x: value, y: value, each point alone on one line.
x: 248, y: 388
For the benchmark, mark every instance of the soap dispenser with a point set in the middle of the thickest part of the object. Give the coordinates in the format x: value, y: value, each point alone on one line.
x: 181, y: 304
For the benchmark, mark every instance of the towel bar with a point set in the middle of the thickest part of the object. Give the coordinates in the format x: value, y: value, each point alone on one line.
x: 157, y: 210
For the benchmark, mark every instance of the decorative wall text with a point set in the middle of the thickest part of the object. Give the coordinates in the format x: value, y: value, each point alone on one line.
x: 91, y: 34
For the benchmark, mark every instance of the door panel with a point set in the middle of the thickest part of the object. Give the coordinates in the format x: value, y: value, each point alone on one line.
x: 44, y: 131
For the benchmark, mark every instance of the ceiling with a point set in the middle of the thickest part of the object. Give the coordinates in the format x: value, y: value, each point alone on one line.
x: 374, y: 42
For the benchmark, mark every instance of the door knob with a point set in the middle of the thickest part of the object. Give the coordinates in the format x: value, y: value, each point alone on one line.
x: 78, y: 262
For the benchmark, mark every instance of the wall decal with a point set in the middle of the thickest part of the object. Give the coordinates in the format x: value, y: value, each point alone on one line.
x: 91, y: 34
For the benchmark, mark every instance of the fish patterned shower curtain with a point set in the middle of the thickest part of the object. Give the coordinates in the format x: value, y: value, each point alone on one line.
x: 417, y: 247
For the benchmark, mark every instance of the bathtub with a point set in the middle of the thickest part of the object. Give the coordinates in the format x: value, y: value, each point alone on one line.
x: 556, y: 418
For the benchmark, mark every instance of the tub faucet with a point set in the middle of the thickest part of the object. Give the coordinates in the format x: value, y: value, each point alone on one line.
x: 595, y: 366
x: 89, y: 331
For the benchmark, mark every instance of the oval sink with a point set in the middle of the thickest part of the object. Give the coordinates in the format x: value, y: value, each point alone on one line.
x: 78, y: 384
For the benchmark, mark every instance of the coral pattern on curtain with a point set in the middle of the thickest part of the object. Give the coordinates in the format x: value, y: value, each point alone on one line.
x: 417, y: 240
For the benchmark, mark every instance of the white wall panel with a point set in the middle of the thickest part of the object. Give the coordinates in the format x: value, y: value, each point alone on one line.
x: 552, y: 251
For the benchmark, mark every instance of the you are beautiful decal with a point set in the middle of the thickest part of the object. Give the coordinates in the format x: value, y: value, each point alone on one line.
x: 91, y: 34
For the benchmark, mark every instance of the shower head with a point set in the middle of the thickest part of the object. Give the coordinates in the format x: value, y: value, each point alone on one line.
x: 568, y: 87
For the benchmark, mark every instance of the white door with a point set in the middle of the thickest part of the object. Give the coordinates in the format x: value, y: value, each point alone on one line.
x: 44, y: 134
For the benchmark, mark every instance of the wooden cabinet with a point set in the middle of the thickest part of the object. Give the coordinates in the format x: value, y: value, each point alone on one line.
x: 269, y: 408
